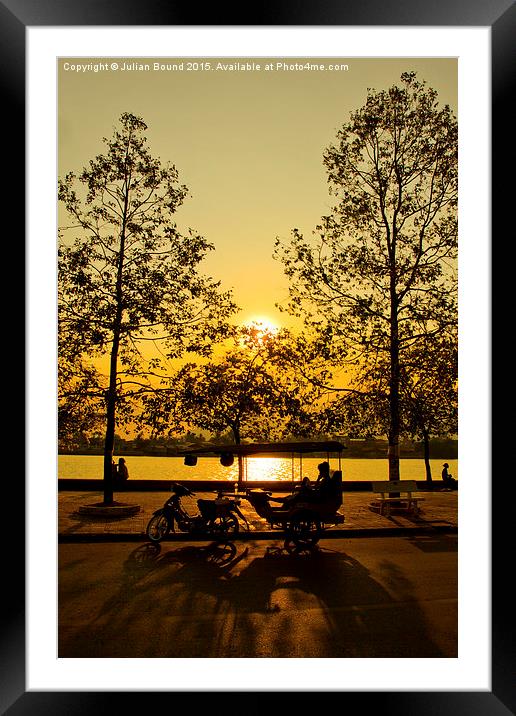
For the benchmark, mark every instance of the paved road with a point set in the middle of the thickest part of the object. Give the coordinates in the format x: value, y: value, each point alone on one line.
x: 375, y: 597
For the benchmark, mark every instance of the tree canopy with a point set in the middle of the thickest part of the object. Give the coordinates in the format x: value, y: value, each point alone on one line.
x: 379, y: 274
x: 129, y: 282
x: 247, y: 389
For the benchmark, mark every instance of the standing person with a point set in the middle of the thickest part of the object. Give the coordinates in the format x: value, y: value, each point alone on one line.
x: 123, y: 472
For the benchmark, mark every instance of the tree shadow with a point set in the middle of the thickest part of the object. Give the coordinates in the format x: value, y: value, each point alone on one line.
x: 217, y: 601
x: 78, y: 522
x: 434, y: 543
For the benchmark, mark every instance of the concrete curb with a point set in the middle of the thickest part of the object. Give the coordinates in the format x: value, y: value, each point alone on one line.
x: 262, y: 535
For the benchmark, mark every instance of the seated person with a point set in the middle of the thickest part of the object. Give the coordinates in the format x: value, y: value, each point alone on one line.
x: 449, y: 481
x: 307, y: 491
x: 120, y: 471
x: 123, y: 472
x: 323, y: 481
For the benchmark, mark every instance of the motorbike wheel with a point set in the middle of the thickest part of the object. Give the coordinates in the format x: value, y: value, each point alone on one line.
x: 221, y: 527
x: 304, y: 531
x: 158, y: 528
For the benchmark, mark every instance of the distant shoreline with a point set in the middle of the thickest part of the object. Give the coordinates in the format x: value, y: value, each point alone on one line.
x: 347, y: 454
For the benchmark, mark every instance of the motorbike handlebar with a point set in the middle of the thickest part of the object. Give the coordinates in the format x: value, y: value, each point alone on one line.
x: 181, y: 490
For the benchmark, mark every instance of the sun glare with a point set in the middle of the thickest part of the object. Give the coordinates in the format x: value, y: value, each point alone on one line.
x: 262, y: 323
x: 262, y: 328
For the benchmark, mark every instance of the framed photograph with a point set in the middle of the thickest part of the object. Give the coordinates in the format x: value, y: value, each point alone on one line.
x: 75, y: 71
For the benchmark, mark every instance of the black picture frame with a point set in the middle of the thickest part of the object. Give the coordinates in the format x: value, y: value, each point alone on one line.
x: 500, y: 17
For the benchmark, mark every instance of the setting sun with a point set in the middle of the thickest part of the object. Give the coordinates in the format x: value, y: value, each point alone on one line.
x: 262, y: 323
x: 261, y: 328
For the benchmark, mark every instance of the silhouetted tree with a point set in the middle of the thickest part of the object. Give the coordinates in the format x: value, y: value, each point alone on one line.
x: 79, y: 407
x: 130, y: 278
x: 428, y: 387
x: 380, y: 274
x: 246, y: 390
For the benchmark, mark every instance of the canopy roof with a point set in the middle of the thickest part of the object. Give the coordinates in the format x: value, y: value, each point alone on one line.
x: 267, y: 448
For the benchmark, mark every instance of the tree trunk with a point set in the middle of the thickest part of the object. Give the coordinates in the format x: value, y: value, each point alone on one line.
x: 426, y: 452
x: 236, y: 435
x: 109, y: 442
x: 394, y: 390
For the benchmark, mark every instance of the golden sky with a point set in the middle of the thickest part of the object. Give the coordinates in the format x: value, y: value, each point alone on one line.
x: 248, y: 144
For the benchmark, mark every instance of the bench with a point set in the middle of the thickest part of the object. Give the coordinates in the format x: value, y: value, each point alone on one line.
x: 404, y: 500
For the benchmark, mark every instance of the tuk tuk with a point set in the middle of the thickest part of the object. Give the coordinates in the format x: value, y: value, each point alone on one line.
x: 309, y: 509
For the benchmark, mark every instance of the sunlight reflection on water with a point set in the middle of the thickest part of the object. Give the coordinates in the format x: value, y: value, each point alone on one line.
x: 258, y: 468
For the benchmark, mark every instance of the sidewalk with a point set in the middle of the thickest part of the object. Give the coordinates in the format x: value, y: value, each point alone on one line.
x: 439, y: 513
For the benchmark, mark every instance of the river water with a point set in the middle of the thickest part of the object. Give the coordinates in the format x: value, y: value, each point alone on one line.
x: 258, y: 468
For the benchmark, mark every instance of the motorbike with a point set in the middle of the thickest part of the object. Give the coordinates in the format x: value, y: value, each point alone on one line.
x: 217, y: 518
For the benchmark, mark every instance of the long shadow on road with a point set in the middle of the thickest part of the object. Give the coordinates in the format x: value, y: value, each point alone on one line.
x: 223, y: 601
